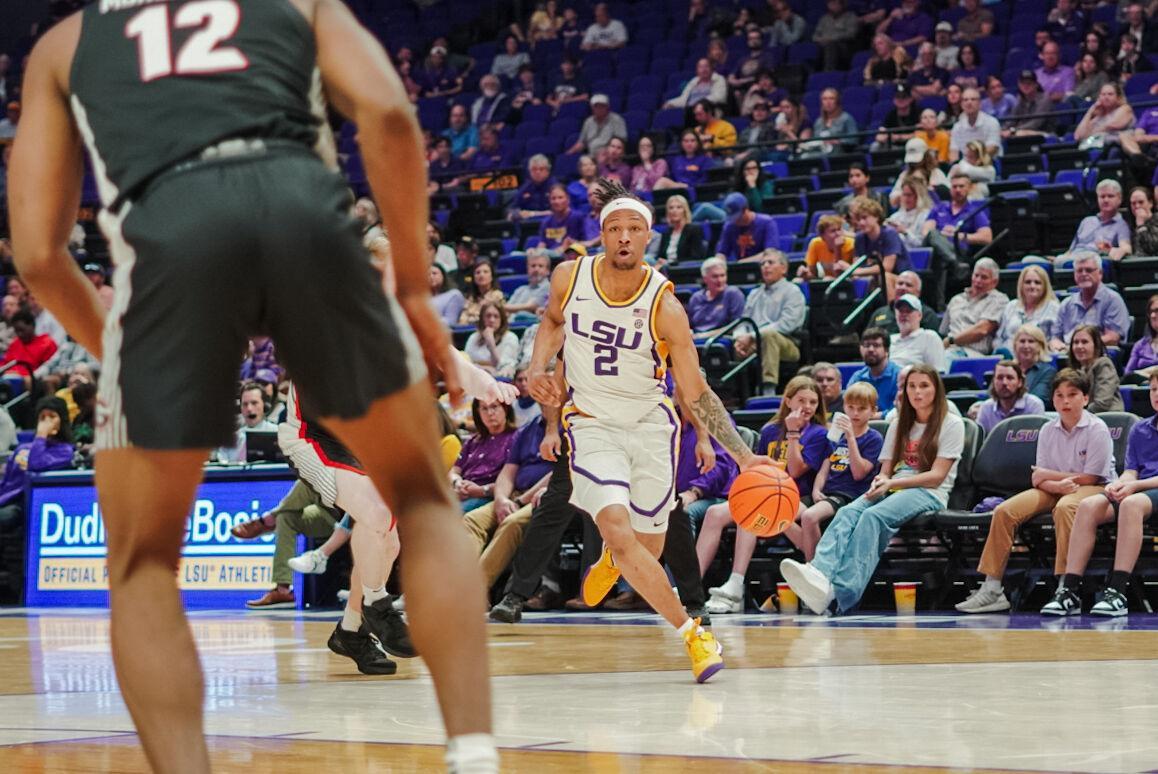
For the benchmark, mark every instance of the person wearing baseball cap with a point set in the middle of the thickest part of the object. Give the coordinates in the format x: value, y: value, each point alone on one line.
x: 746, y: 233
x: 914, y: 344
x: 1029, y: 115
x: 599, y: 127
x: 902, y: 117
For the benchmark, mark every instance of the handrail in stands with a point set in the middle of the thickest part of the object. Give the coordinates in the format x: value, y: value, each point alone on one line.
x: 737, y: 369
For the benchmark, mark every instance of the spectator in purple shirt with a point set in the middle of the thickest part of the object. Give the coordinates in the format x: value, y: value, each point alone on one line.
x: 690, y: 168
x: 484, y: 453
x: 1132, y: 499
x: 907, y: 25
x: 613, y: 166
x: 746, y: 234
x: 563, y: 226
x: 51, y: 449
x: 490, y: 154
x: 437, y: 78
x: 1007, y: 397
x: 1093, y: 304
x: 717, y: 303
x: 997, y: 103
x: 1057, y: 80
x: 1106, y: 233
x: 1144, y: 355
x: 953, y: 231
x: 532, y: 199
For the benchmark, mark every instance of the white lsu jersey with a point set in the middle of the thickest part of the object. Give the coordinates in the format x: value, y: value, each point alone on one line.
x: 615, y: 361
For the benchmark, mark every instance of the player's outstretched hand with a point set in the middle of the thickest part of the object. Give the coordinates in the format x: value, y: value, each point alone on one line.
x: 705, y: 455
x: 755, y: 461
x: 432, y: 336
x: 546, y: 389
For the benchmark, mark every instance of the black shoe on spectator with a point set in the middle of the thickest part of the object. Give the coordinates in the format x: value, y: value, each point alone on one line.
x: 386, y: 624
x: 509, y: 609
x: 361, y: 648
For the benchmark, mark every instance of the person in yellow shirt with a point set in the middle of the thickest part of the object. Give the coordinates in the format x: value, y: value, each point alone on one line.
x: 715, y: 133
x: 936, y: 138
x: 830, y: 252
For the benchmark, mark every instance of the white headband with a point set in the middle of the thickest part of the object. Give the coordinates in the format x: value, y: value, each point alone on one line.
x: 624, y: 203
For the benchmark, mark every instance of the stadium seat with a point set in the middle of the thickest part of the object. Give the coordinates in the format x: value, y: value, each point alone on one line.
x: 975, y: 366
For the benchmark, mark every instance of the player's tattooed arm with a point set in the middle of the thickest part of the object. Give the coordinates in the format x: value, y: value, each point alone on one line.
x: 672, y: 327
x: 714, y: 417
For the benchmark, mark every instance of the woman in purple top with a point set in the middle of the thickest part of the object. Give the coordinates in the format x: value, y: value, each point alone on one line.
x: 484, y: 453
x: 448, y: 301
x: 1144, y: 355
x: 690, y: 168
x: 796, y: 437
x: 969, y: 73
x: 51, y: 449
x: 649, y: 171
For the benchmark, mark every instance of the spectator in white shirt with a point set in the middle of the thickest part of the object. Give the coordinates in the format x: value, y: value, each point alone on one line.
x: 974, y: 125
x: 914, y: 344
x: 605, y: 33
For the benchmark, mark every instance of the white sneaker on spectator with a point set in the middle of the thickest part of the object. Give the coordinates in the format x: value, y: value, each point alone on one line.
x: 810, y: 585
x: 399, y: 603
x: 310, y: 563
x: 722, y: 604
x: 984, y: 601
x: 343, y: 595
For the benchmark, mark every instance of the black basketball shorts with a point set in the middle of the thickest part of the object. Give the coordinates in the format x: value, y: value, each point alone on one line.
x: 211, y: 254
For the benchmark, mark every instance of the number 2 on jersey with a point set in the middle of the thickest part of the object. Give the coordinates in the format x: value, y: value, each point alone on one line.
x: 215, y: 20
x: 605, y: 357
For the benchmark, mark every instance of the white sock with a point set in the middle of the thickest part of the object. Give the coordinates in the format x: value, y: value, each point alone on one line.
x: 735, y: 581
x: 373, y: 595
x: 472, y: 754
x: 322, y: 552
x: 685, y: 627
x: 351, y: 620
x: 550, y: 584
x: 992, y: 584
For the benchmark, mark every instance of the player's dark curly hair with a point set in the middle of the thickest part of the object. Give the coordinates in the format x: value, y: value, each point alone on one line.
x: 608, y: 190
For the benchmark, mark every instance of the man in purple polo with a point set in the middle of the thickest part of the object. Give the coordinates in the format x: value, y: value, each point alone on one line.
x: 1093, y: 304
x: 908, y: 25
x: 746, y: 234
x: 954, y: 233
x: 563, y: 226
x: 1007, y: 397
x: 1056, y: 79
x: 1106, y: 233
x: 717, y: 303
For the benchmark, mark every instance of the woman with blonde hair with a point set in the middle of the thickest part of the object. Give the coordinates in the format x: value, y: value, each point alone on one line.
x: 1109, y: 115
x: 915, y: 204
x: 1031, y: 351
x: 795, y: 437
x: 978, y: 167
x: 918, y: 158
x: 1035, y: 303
x: 684, y: 240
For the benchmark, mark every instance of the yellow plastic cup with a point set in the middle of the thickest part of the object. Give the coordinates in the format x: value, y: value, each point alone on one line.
x: 905, y: 596
x: 789, y: 604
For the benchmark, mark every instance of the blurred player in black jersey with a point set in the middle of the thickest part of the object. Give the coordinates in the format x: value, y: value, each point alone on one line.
x: 201, y: 118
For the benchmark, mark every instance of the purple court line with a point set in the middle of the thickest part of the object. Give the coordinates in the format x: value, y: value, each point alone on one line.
x: 103, y: 737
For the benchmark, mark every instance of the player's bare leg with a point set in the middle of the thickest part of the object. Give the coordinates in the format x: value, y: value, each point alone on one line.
x: 145, y: 497
x: 441, y: 573
x: 636, y: 555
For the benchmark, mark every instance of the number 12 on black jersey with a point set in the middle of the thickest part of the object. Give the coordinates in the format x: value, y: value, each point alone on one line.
x: 215, y: 22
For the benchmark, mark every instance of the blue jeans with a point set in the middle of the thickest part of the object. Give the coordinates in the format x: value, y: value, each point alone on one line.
x: 851, y: 547
x: 471, y: 503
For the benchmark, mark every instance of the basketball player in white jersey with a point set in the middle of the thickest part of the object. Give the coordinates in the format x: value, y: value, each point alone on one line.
x: 618, y: 323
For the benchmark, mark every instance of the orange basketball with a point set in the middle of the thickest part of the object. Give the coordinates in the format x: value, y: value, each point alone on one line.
x: 764, y: 500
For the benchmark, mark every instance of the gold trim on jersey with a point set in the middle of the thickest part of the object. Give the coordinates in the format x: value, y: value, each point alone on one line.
x: 661, y: 348
x: 603, y: 296
x: 571, y: 283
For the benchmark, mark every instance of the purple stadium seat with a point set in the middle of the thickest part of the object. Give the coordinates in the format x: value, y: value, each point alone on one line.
x: 578, y: 109
x: 561, y: 127
x: 935, y: 102
x: 644, y: 83
x: 1140, y: 83
x: 824, y: 80
x: 662, y: 67
x: 643, y: 99
x: 538, y: 113
x: 671, y: 118
x: 612, y: 87
x: 803, y: 53
x: 856, y: 66
x: 1073, y: 177
x: 789, y: 225
x: 548, y: 146
x: 566, y: 166
x: 530, y: 129
x: 638, y: 121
